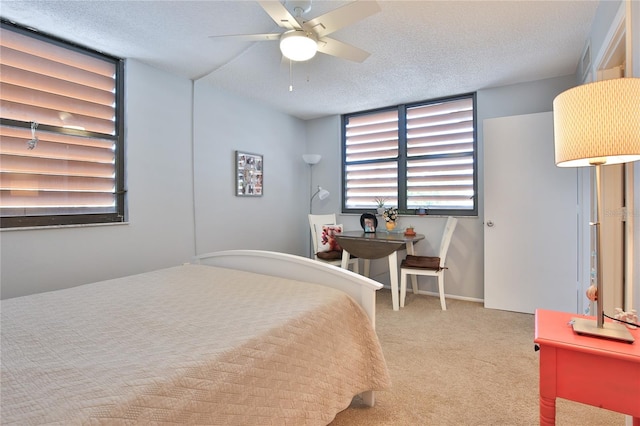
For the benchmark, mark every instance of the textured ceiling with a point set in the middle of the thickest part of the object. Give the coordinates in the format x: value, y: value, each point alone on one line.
x: 419, y: 49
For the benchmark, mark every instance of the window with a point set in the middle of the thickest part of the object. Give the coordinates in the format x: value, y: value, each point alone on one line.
x: 418, y: 156
x: 61, y: 139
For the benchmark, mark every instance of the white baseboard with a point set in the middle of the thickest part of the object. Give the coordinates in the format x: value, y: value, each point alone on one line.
x: 447, y: 296
x: 450, y: 296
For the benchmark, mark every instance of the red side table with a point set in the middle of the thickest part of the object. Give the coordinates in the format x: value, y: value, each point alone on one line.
x: 599, y: 372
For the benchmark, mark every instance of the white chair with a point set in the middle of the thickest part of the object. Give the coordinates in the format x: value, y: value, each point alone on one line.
x: 428, y: 265
x: 316, y: 221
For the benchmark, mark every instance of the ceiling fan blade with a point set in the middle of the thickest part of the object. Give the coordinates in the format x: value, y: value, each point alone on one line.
x: 333, y: 47
x: 250, y: 37
x: 280, y: 15
x: 341, y: 17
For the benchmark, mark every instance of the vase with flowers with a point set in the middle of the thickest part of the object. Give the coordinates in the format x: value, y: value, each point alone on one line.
x: 390, y: 215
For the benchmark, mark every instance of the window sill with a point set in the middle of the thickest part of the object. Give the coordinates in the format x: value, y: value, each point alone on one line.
x: 80, y: 225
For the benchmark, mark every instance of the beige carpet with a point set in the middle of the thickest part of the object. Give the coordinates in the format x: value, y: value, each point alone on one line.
x: 464, y: 366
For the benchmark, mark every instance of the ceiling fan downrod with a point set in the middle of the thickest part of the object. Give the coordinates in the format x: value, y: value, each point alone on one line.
x: 298, y: 7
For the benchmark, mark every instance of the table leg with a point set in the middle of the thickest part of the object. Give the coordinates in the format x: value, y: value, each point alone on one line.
x: 367, y: 267
x: 414, y: 278
x: 547, y: 411
x: 368, y: 398
x: 548, y: 385
x: 393, y: 277
x: 345, y: 259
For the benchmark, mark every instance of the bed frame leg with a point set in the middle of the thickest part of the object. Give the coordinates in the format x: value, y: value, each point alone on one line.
x: 368, y: 398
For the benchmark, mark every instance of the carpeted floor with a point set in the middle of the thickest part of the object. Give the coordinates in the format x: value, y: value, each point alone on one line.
x: 464, y: 366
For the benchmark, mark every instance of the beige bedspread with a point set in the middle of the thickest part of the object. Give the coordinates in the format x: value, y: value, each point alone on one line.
x: 192, y: 344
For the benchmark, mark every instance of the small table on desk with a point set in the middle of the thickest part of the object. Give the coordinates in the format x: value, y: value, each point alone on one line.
x: 369, y: 245
x: 590, y: 370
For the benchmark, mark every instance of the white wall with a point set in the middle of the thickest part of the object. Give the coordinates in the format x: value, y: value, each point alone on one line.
x: 159, y: 232
x: 224, y: 123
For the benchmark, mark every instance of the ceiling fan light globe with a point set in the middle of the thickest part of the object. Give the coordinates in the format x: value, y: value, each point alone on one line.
x: 298, y: 45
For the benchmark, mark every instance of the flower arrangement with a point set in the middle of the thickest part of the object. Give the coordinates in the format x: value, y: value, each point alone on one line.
x: 390, y: 214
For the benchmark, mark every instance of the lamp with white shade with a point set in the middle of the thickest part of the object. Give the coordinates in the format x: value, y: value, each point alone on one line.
x: 321, y: 193
x: 312, y: 159
x: 594, y: 125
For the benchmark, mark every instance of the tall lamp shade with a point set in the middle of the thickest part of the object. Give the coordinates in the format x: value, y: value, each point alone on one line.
x: 597, y: 124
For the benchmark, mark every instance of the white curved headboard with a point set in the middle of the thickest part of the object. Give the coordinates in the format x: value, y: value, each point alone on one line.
x: 284, y: 265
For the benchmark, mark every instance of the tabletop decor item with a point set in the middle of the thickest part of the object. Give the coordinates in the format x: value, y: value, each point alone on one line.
x: 380, y: 204
x: 409, y: 231
x: 369, y: 222
x: 390, y: 216
x: 596, y: 124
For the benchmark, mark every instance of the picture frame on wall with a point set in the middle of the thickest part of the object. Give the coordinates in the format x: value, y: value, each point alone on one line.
x: 249, y: 174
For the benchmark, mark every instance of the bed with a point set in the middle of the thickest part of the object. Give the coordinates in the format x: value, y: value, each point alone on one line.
x: 236, y: 337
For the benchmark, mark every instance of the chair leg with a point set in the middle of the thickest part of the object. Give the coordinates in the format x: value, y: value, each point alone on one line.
x: 403, y: 287
x: 367, y: 267
x: 414, y: 283
x: 356, y: 266
x: 443, y: 304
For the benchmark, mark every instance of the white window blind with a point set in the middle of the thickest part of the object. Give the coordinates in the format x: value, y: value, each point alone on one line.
x: 440, y: 156
x: 420, y: 156
x: 370, y: 140
x: 59, y: 137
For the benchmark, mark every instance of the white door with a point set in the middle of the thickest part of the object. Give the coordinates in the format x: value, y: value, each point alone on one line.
x: 530, y: 218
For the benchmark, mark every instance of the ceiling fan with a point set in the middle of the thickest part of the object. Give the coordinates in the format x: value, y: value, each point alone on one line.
x: 303, y: 38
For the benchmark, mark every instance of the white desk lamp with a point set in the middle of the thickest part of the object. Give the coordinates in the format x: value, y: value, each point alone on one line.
x: 597, y: 124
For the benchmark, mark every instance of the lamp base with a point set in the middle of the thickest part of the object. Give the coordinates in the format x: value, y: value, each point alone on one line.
x: 610, y: 330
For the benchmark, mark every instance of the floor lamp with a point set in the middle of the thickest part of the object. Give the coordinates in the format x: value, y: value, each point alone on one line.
x: 311, y: 160
x: 594, y: 125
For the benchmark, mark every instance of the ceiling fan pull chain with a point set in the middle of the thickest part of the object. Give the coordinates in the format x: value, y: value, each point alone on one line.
x: 290, y: 75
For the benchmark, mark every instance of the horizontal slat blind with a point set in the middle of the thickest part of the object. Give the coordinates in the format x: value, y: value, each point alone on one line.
x: 55, y: 86
x: 440, y: 184
x: 365, y: 182
x: 440, y: 155
x: 369, y: 141
x: 64, y: 172
x: 418, y: 156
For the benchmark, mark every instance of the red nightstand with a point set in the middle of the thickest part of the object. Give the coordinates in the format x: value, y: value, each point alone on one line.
x: 590, y: 370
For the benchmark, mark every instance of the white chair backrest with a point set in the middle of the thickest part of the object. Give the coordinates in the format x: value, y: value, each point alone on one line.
x: 446, y: 238
x: 316, y: 221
